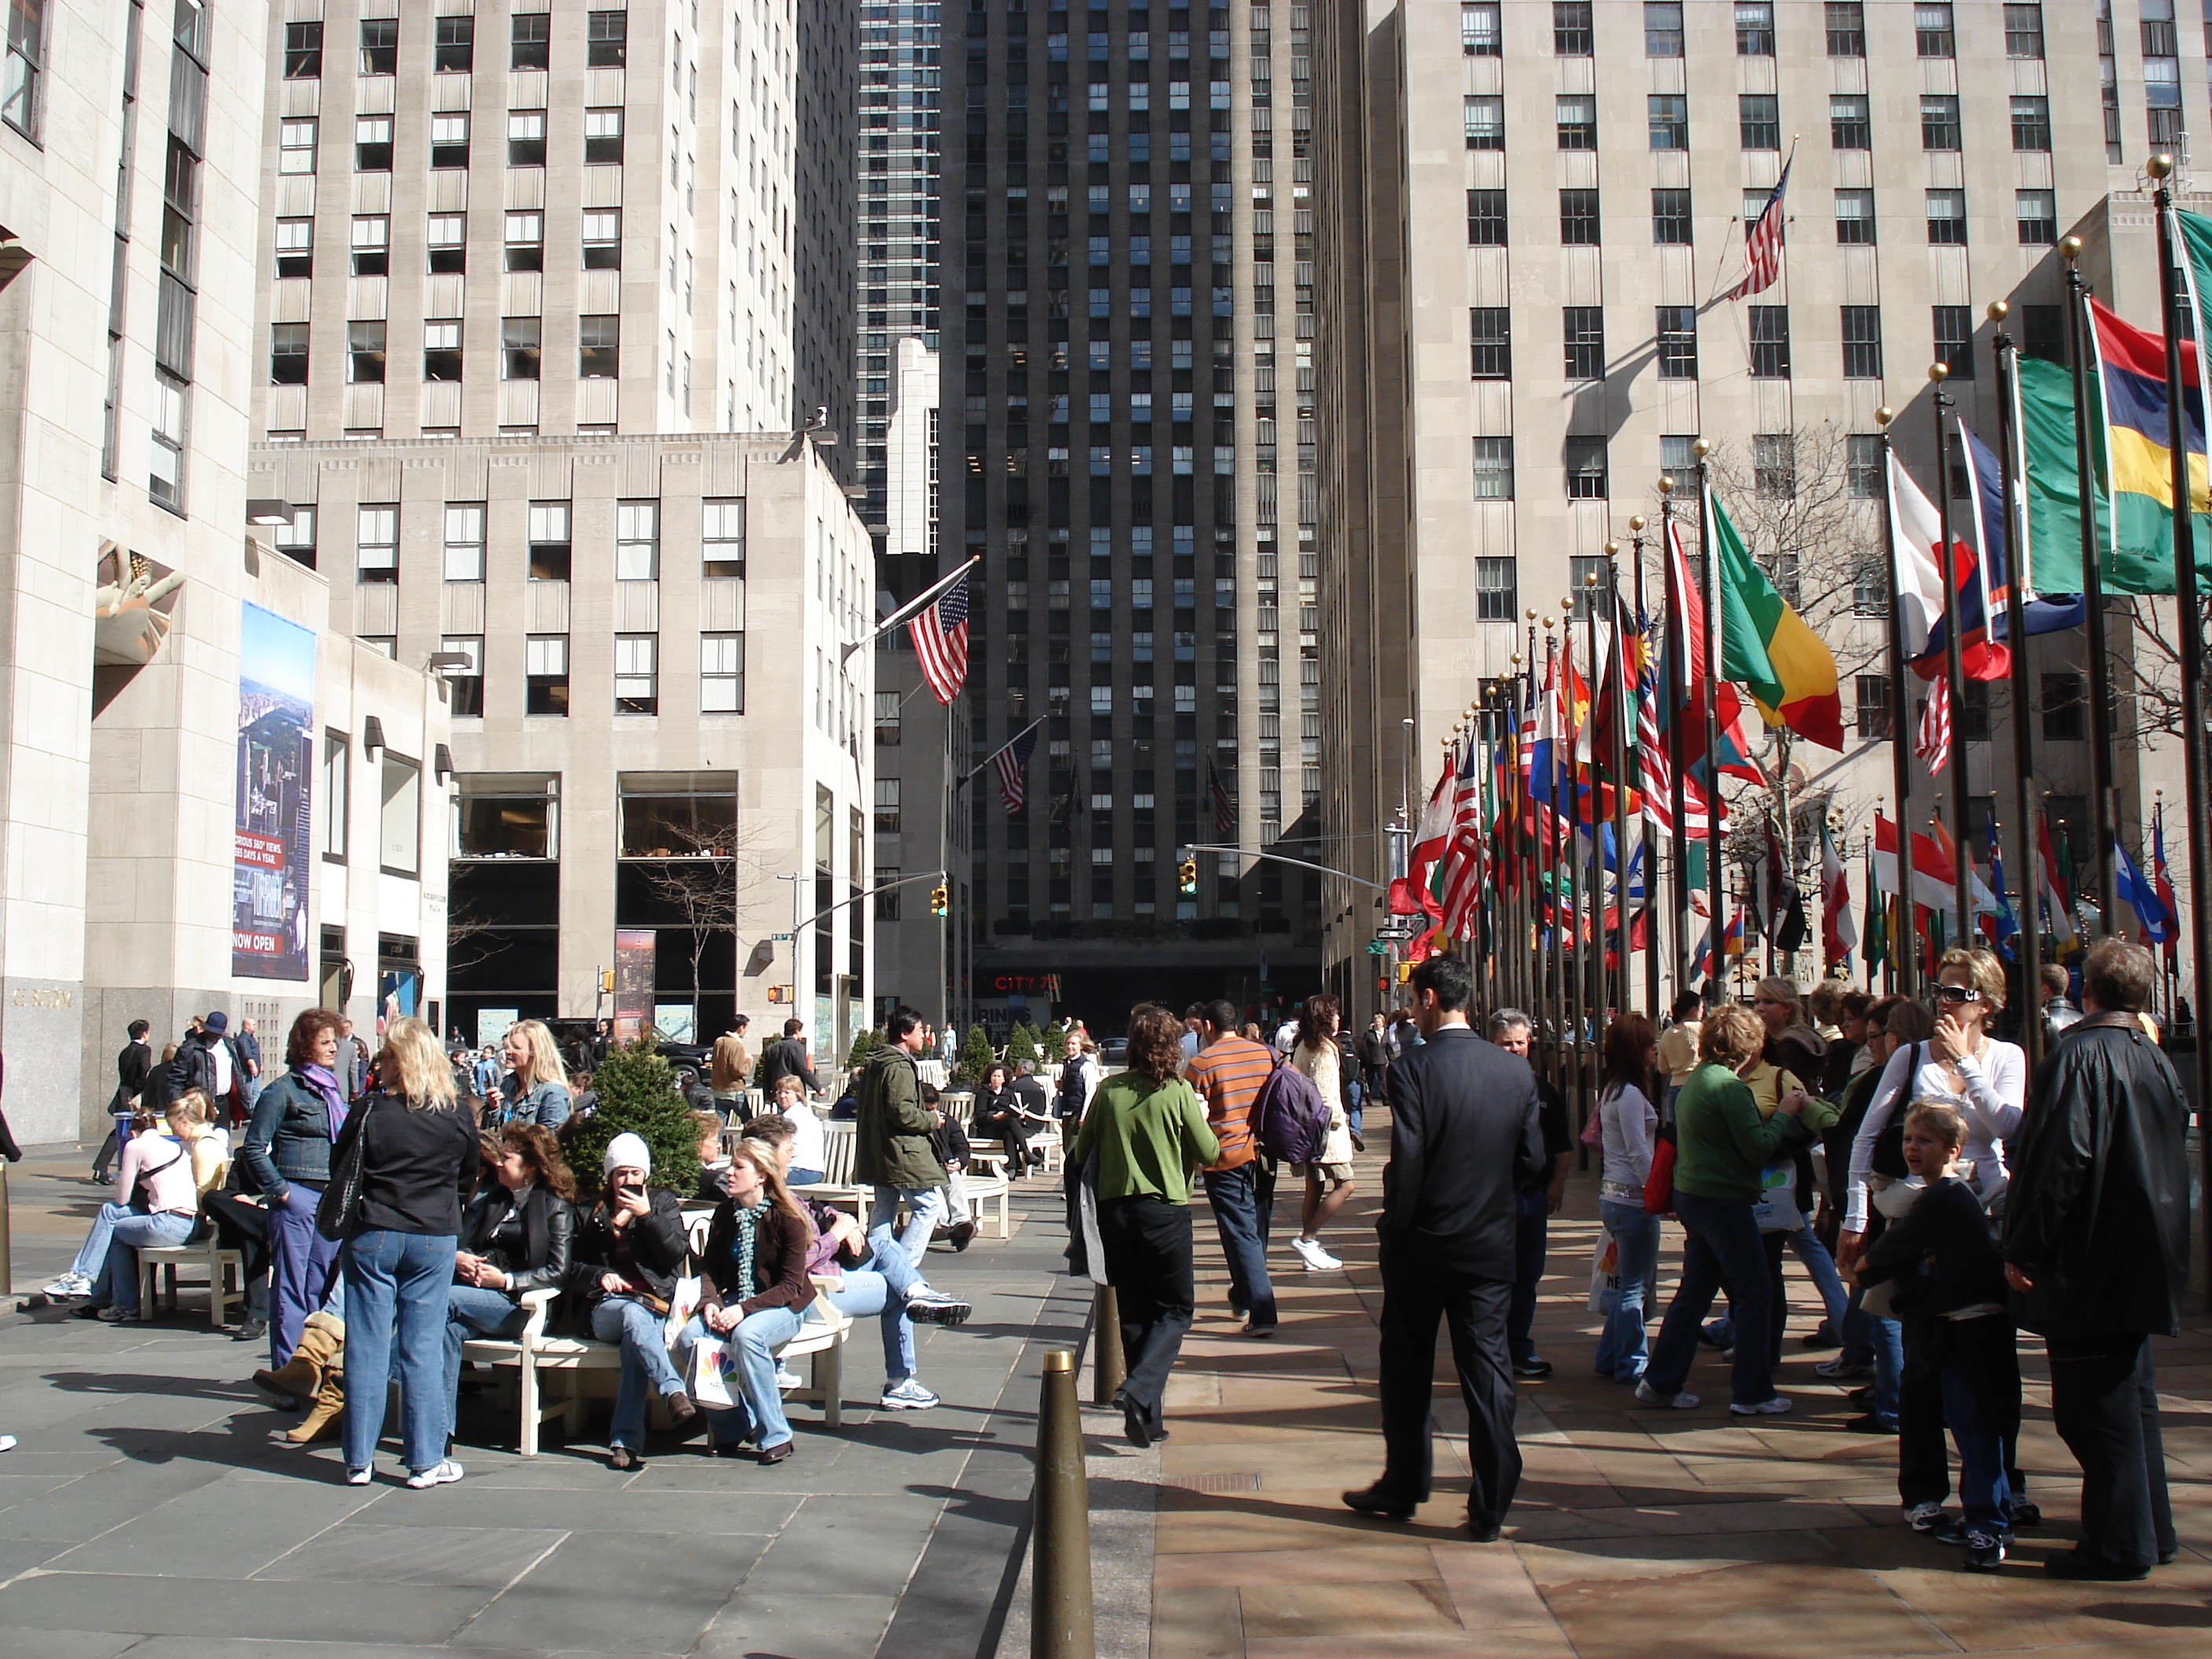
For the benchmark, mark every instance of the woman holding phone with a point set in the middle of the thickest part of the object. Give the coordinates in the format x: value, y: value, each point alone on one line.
x: 630, y: 1247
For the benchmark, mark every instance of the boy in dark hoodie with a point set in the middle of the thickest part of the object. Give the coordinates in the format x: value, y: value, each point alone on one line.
x: 1952, y: 1287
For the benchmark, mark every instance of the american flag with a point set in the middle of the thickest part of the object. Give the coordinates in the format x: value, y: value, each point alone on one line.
x: 1012, y: 764
x: 1651, y: 752
x: 1224, y: 809
x: 1762, y: 245
x: 1463, y: 872
x: 940, y: 639
x: 1933, y: 743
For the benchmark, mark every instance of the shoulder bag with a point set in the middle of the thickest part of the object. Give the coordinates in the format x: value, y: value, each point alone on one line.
x: 339, y: 1208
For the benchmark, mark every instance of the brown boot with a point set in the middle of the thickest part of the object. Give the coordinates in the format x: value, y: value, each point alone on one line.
x: 322, y: 1418
x: 322, y: 1341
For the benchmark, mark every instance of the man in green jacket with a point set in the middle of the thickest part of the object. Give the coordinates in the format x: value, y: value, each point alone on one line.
x: 891, y: 1136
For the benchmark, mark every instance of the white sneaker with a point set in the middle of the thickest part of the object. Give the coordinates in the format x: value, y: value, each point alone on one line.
x: 69, y: 1284
x: 7, y: 1443
x: 359, y: 1477
x: 785, y: 1380
x: 1682, y: 1401
x: 907, y: 1395
x: 1774, y: 1407
x: 445, y: 1474
x: 1316, y: 1259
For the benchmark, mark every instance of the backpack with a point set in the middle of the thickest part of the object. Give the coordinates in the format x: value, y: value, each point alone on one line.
x: 1289, y: 1118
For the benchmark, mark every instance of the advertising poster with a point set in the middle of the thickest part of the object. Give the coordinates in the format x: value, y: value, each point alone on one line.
x: 398, y: 990
x: 633, y: 976
x: 270, y: 869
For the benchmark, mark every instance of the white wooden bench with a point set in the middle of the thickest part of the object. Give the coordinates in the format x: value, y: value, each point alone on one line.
x: 836, y: 1186
x: 223, y: 1267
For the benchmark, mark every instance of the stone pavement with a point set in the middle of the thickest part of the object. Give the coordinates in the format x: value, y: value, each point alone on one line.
x: 147, y: 1512
x: 1639, y: 1533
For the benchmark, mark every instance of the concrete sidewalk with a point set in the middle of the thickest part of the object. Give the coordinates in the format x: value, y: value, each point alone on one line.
x: 147, y: 1512
x: 1639, y: 1533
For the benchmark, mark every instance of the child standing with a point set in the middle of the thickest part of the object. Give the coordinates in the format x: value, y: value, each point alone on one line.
x: 1951, y: 1287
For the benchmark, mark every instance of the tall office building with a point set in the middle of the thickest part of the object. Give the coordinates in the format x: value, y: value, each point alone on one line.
x: 560, y: 348
x: 1533, y: 216
x: 1132, y: 180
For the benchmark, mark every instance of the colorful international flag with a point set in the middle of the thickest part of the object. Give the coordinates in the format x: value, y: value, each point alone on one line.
x: 2151, y: 913
x: 940, y: 641
x: 1765, y: 645
x: 2138, y: 463
x: 2057, y: 904
x: 1980, y: 581
x: 2158, y: 875
x: 1839, y: 933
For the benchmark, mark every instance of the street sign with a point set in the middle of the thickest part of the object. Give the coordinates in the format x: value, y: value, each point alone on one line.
x: 780, y: 939
x: 1376, y: 947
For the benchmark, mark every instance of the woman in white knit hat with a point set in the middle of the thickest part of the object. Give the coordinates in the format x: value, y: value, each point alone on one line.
x: 629, y: 1249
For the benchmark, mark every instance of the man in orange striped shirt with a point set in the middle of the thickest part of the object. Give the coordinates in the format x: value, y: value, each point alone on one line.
x: 1228, y: 1072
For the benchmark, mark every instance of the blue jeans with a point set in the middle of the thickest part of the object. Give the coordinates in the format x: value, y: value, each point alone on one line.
x: 396, y: 1287
x: 93, y: 1255
x: 801, y: 1178
x: 645, y: 1363
x: 752, y: 1354
x: 1985, y: 1495
x: 115, y: 1279
x: 1355, y: 1097
x: 1531, y: 1217
x: 878, y: 1286
x: 1233, y: 1195
x: 472, y: 1311
x: 1621, y: 1350
x: 924, y: 1204
x: 1720, y: 1246
x: 1821, y: 1268
x: 301, y: 1263
x: 1881, y: 1342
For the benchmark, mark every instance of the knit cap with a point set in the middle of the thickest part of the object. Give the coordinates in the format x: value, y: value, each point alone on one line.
x: 627, y: 1151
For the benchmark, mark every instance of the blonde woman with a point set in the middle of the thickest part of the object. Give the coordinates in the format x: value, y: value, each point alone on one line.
x: 536, y: 1087
x: 1328, y: 1181
x: 419, y: 1159
x: 161, y: 1166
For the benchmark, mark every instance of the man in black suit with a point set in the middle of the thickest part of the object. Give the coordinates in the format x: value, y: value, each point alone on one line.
x: 133, y: 1067
x: 1464, y: 1133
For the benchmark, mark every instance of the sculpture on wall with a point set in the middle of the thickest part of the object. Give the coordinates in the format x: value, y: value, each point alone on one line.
x: 131, y: 609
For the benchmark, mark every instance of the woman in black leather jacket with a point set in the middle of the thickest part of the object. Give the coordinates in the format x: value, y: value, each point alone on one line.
x: 518, y: 1235
x: 631, y: 1246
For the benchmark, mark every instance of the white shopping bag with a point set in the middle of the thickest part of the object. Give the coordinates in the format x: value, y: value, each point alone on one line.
x: 683, y: 1303
x: 709, y: 1374
x: 1605, y: 1274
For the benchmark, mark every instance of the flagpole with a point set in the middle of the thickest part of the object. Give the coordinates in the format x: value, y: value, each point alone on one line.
x: 1578, y: 994
x: 1603, y: 993
x: 1714, y: 881
x: 969, y: 776
x: 1953, y: 676
x: 1521, y: 959
x: 1678, y: 751
x: 1632, y: 721
x: 911, y: 608
x: 2092, y: 582
x: 2189, y: 625
x: 1555, y: 972
x: 1900, y: 698
x: 2023, y: 738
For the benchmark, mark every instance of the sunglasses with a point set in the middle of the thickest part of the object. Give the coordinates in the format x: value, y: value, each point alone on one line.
x: 1957, y: 994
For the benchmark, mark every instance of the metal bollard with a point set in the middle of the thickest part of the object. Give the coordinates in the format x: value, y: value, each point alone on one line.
x: 1109, y: 1368
x: 1060, y: 1564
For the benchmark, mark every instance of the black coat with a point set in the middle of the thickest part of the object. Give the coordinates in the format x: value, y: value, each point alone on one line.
x: 132, y: 1067
x: 1464, y: 1133
x: 787, y: 1057
x: 1942, y: 1245
x: 658, y: 1244
x: 549, y: 1229
x: 2097, y: 1214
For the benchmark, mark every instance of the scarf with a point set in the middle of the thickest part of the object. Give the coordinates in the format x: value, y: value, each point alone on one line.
x: 742, y: 1246
x: 324, y: 1083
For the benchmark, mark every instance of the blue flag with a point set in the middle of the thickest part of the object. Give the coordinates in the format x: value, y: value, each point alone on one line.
x: 2008, y: 926
x: 2150, y: 910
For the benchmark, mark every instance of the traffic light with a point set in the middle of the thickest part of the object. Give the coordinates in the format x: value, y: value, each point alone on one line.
x: 1188, y: 875
x: 607, y: 981
x: 940, y: 899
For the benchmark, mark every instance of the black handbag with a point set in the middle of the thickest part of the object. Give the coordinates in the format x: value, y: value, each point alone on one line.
x: 339, y: 1207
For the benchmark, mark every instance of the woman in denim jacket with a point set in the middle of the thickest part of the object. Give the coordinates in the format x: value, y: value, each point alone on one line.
x: 287, y: 1155
x: 536, y: 1087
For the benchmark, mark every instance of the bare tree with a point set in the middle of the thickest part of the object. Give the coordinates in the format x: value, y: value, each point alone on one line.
x: 698, y: 875
x: 2147, y: 671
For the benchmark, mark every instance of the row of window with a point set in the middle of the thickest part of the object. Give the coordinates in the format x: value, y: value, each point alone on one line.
x: 1574, y: 32
x: 2035, y: 214
x: 637, y: 540
x: 2065, y: 708
x: 1758, y: 121
x: 637, y: 674
x: 1675, y: 338
x: 530, y: 44
x: 598, y: 350
x: 1774, y: 475
x: 445, y: 243
x: 299, y: 140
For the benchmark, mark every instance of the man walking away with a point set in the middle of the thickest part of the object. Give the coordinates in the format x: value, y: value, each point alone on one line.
x: 1535, y: 1201
x: 787, y: 1057
x: 732, y: 1070
x: 1465, y: 1137
x: 134, y: 1066
x: 1240, y: 1187
x: 1377, y: 1051
x: 2096, y: 1243
x: 891, y: 1129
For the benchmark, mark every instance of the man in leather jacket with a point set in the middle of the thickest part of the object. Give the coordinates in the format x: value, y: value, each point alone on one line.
x: 2096, y: 1247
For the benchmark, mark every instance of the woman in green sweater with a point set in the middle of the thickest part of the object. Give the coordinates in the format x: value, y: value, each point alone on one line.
x: 1148, y: 1128
x: 1721, y: 1144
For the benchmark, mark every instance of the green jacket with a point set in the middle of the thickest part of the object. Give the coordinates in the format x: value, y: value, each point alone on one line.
x: 1721, y: 1142
x: 891, y: 1126
x: 1149, y: 1138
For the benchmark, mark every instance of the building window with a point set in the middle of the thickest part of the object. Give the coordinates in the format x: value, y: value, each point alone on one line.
x: 526, y: 138
x: 1755, y: 28
x: 1490, y: 329
x: 449, y: 139
x: 1770, y: 342
x: 2064, y: 697
x: 1662, y: 28
x: 1496, y: 596
x: 1933, y: 32
x: 1855, y: 218
x: 722, y: 537
x: 637, y: 674
x: 303, y: 52
x: 365, y: 353
x: 606, y: 39
x: 1939, y: 121
x: 1862, y: 479
x: 722, y: 675
x: 1586, y: 469
x: 603, y: 238
x: 1846, y: 21
x: 530, y: 40
x: 295, y: 247
x: 1677, y: 331
x: 545, y: 660
x: 1578, y: 218
x: 1572, y: 35
x: 887, y: 893
x: 1862, y: 330
x: 372, y: 144
x: 465, y: 686
x: 1576, y: 118
x: 379, y: 46
x: 372, y: 246
x: 2043, y: 333
x: 2031, y: 125
x: 526, y: 241
x: 295, y: 537
x: 1670, y: 114
x: 402, y: 817
x: 1485, y: 122
x: 465, y: 541
x: 1946, y: 216
x: 442, y: 348
x: 637, y: 541
x: 288, y: 354
x: 456, y: 46
x: 1677, y: 455
x: 296, y: 146
x: 519, y: 341
x: 165, y: 480
x: 376, y: 542
x: 1582, y: 328
x: 1874, y: 708
x: 1954, y: 340
x: 548, y: 541
x: 1670, y: 218
x: 447, y: 242
x: 890, y: 718
x: 2037, y: 211
x: 337, y: 794
x: 1774, y: 466
x: 1850, y: 125
x: 1758, y: 121
x: 598, y: 348
x: 1481, y: 29
x: 603, y: 137
x: 1493, y: 469
x: 1485, y: 218
x: 2023, y: 27
x: 887, y: 806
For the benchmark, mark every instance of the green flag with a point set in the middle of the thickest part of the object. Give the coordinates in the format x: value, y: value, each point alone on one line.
x: 2054, y: 497
x: 1765, y: 646
x: 1874, y: 942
